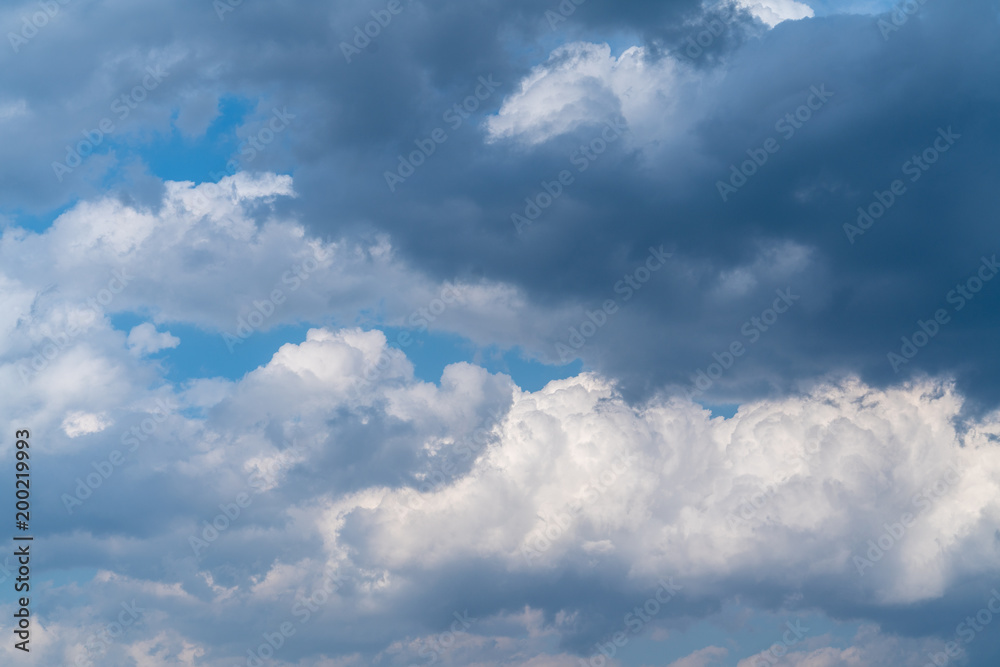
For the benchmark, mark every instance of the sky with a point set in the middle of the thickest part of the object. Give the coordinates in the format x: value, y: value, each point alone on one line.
x: 468, y: 333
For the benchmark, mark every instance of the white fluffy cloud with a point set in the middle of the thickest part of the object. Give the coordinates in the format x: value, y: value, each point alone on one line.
x: 214, y: 255
x: 773, y: 12
x: 145, y: 339
x: 809, y: 463
x: 81, y: 423
x: 583, y: 83
x: 422, y: 496
x: 525, y: 486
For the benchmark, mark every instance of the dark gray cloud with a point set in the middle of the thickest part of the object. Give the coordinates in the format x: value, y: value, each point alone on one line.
x: 452, y: 216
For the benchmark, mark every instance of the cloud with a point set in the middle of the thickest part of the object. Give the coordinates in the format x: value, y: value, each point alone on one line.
x: 840, y: 489
x: 773, y: 12
x: 703, y: 658
x: 869, y: 647
x: 145, y: 339
x: 82, y: 423
x: 412, y: 491
x: 691, y: 118
x: 581, y: 84
x: 123, y: 254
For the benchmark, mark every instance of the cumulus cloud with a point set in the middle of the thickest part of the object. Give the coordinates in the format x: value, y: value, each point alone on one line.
x: 145, y: 339
x: 773, y: 12
x: 497, y: 483
x: 79, y: 423
x: 107, y: 257
x: 584, y: 83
